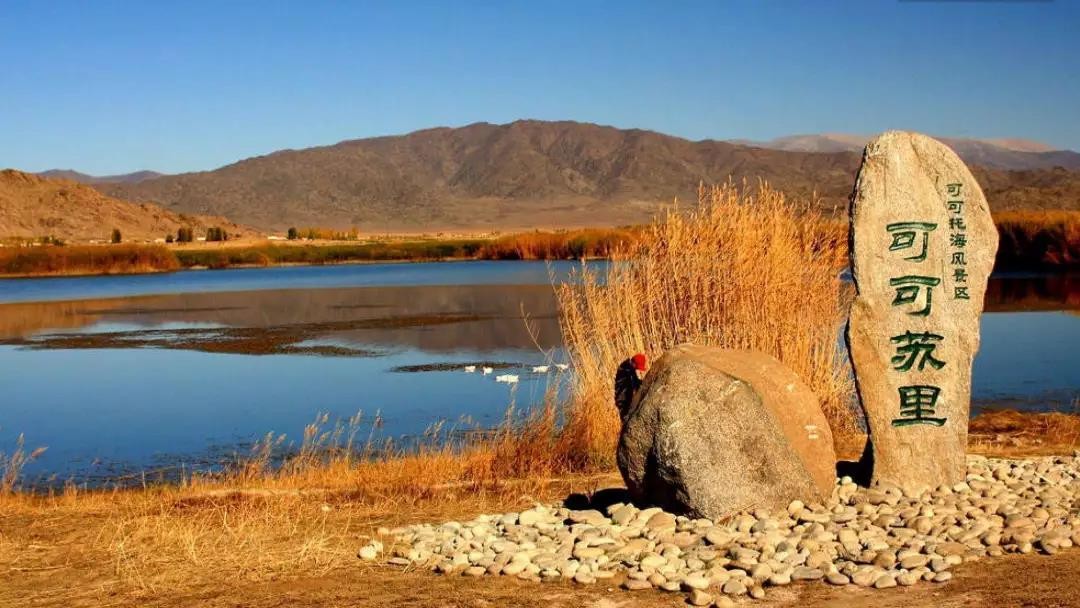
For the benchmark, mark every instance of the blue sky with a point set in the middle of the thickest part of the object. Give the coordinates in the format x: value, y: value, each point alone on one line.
x: 110, y: 87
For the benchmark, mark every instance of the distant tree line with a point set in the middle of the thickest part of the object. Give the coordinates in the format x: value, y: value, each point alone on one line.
x: 185, y: 235
x: 216, y: 233
x: 327, y: 234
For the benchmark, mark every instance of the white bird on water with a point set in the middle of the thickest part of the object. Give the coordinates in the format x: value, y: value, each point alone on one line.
x: 562, y: 366
x: 541, y: 369
x: 507, y: 378
x: 487, y: 370
x: 470, y: 369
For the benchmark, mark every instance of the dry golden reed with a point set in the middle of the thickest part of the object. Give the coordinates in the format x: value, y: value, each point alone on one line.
x: 86, y: 259
x: 743, y: 269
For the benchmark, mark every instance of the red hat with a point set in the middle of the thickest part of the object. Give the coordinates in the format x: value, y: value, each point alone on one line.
x: 640, y: 361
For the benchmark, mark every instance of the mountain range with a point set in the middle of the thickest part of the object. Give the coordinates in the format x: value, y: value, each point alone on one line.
x: 34, y: 206
x: 1011, y: 154
x: 83, y: 178
x: 529, y: 174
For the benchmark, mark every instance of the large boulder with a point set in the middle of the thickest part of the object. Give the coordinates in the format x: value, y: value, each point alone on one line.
x: 715, y: 431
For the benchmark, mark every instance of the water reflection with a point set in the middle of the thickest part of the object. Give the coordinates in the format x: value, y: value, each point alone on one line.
x: 1027, y: 292
x: 431, y: 318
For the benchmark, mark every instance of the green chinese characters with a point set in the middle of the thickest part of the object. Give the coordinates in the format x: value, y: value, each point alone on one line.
x: 917, y: 405
x: 914, y: 351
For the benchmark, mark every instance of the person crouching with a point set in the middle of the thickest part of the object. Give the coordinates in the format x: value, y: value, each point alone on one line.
x: 627, y: 382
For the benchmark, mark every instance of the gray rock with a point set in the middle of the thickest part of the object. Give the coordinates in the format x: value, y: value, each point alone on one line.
x: 865, y: 578
x: 707, y: 434
x: 734, y: 587
x: 780, y: 579
x: 914, y: 294
x: 696, y: 581
x: 803, y: 573
x: 907, y: 579
x: 698, y: 597
x: 942, y: 577
x: 835, y: 578
x: 584, y: 578
x: 885, y: 581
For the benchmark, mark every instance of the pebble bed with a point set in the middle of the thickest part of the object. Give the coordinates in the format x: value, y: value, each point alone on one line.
x: 867, y: 537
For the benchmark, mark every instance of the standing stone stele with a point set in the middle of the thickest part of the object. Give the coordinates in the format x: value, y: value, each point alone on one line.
x: 922, y: 247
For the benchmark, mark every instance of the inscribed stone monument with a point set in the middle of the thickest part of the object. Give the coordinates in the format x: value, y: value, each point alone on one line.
x: 922, y: 248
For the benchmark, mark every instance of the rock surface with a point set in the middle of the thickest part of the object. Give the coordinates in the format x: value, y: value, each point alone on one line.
x: 717, y: 431
x: 923, y: 247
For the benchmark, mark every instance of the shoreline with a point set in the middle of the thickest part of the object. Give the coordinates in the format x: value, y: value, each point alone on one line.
x: 79, y: 274
x: 1010, y: 271
x: 104, y: 260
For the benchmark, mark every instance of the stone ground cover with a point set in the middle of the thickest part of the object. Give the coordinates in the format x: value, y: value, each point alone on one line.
x: 865, y: 537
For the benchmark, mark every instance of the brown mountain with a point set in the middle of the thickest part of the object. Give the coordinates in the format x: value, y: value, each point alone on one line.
x: 520, y: 175
x: 83, y: 178
x: 33, y: 206
x: 1010, y: 154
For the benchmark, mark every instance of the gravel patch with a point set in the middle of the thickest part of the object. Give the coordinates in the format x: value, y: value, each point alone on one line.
x: 861, y: 537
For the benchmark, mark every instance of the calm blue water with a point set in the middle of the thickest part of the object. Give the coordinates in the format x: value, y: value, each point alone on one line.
x: 155, y: 396
x: 287, y: 277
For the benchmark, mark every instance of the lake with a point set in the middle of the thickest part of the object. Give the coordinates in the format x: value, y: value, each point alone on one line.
x: 122, y: 374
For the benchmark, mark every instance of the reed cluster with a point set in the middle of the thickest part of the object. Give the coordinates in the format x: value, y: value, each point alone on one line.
x: 744, y: 269
x: 86, y: 259
x: 579, y: 244
x: 1038, y: 240
x: 269, y: 255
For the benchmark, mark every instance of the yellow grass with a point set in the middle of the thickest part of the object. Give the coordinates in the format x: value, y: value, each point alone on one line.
x: 744, y: 269
x: 278, y: 512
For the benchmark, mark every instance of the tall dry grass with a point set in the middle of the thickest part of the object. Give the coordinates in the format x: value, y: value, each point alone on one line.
x: 559, y: 245
x: 85, y: 259
x: 746, y: 268
x: 1038, y: 240
x: 282, y: 510
x: 11, y: 465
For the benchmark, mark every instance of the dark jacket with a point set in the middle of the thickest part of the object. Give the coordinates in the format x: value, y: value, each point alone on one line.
x: 627, y: 384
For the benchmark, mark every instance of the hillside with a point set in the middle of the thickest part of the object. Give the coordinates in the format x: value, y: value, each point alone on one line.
x: 1009, y: 154
x: 522, y: 175
x: 33, y: 206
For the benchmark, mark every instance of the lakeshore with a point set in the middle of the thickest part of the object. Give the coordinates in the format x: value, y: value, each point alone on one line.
x: 1047, y: 241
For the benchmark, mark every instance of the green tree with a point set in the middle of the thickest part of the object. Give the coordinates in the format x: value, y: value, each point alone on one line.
x: 116, y: 236
x: 293, y: 233
x: 169, y: 238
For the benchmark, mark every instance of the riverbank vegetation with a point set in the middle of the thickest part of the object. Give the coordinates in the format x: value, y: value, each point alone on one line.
x: 86, y: 259
x: 1037, y: 241
x: 1043, y: 240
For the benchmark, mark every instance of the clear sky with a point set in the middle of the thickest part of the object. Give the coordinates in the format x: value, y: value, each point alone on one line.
x: 110, y: 87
